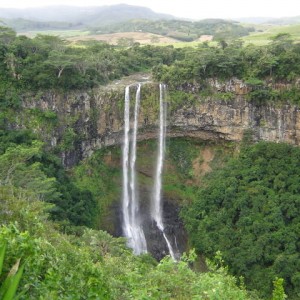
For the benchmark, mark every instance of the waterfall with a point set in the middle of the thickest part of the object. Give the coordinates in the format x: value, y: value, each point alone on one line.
x: 139, y: 239
x: 157, y: 210
x: 125, y: 203
x: 132, y: 227
x: 131, y: 221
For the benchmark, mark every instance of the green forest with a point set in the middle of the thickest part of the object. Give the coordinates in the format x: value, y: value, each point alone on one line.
x: 242, y: 218
x: 249, y: 209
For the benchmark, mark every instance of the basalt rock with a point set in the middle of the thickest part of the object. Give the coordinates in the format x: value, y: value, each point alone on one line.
x: 174, y: 227
x: 96, y: 117
x: 87, y: 121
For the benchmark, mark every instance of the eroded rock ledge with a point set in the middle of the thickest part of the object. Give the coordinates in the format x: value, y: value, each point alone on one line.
x: 96, y: 117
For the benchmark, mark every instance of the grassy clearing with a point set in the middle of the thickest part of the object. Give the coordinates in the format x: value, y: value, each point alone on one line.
x: 265, y: 37
x: 179, y: 44
x: 139, y: 37
x: 184, y: 44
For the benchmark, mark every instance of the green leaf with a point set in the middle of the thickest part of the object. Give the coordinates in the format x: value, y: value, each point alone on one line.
x: 14, y: 282
x: 2, y: 254
x: 8, y: 280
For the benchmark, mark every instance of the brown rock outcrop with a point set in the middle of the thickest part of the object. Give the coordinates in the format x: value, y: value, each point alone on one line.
x: 97, y: 118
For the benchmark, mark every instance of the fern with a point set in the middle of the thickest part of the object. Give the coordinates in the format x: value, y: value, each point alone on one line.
x: 9, y: 286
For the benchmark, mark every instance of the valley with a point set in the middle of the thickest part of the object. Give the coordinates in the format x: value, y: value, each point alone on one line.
x: 144, y: 156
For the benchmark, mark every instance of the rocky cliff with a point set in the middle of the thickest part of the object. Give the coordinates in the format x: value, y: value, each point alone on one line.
x: 91, y: 120
x: 76, y: 124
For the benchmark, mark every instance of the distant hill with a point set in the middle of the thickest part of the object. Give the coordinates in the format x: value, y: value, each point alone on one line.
x: 267, y: 20
x: 286, y: 21
x: 117, y: 19
x: 124, y: 12
x: 254, y: 20
x: 21, y: 25
x: 88, y: 16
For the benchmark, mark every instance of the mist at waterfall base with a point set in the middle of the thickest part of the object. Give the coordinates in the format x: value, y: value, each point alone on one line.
x: 132, y: 223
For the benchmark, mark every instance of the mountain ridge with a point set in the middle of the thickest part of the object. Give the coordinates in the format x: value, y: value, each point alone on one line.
x: 92, y: 14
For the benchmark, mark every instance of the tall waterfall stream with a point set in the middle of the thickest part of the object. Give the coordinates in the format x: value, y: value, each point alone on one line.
x: 132, y: 223
x: 156, y: 205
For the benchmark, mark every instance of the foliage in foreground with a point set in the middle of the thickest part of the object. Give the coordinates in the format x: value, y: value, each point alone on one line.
x: 97, y: 266
x: 10, y: 284
x: 250, y: 211
x: 87, y: 264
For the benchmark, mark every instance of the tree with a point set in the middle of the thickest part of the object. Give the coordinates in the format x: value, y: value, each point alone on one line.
x: 17, y: 171
x: 281, y: 42
x: 154, y: 39
x: 222, y: 43
x: 12, y: 64
x: 125, y: 42
x: 60, y: 61
x: 267, y: 62
x: 7, y: 35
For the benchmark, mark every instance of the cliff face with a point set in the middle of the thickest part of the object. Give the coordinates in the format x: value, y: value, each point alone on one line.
x: 95, y: 119
x: 79, y: 123
x: 228, y: 120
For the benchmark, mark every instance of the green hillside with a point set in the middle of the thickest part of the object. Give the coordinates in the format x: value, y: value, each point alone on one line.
x: 21, y: 25
x: 265, y: 37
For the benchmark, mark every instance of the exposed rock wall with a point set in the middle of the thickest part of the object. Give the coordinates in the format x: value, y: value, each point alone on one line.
x: 97, y: 117
x: 228, y: 120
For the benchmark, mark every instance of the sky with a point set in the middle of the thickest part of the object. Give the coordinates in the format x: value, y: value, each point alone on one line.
x: 193, y: 9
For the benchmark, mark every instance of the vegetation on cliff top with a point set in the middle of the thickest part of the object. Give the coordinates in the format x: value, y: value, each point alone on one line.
x: 261, y: 68
x: 48, y: 62
x: 278, y: 61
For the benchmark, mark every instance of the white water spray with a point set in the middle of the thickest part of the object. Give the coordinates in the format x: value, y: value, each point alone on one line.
x: 139, y: 240
x: 156, y: 201
x: 131, y: 222
x: 125, y: 202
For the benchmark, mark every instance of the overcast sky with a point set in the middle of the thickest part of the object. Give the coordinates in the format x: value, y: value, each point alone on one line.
x: 194, y: 9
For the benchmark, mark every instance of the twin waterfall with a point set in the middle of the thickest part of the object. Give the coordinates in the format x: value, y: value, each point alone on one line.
x: 132, y: 223
x: 156, y: 209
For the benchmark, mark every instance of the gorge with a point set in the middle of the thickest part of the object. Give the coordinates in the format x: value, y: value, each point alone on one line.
x: 150, y: 171
x: 87, y: 130
x: 97, y: 121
